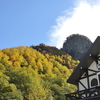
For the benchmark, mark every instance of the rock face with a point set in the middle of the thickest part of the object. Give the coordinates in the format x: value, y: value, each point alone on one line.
x: 76, y: 45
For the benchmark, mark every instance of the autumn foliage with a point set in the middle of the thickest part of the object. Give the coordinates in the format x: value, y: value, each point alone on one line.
x: 29, y: 74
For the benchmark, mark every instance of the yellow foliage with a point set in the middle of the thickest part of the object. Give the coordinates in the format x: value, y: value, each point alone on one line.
x: 32, y: 72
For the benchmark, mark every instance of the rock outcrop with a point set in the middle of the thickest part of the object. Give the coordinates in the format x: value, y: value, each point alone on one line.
x: 76, y: 45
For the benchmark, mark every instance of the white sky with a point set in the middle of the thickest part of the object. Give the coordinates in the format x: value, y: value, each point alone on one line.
x: 83, y: 19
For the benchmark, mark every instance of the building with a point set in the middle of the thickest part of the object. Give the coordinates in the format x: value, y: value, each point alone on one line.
x: 86, y: 76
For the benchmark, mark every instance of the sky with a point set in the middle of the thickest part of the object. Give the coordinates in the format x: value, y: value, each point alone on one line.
x: 31, y: 22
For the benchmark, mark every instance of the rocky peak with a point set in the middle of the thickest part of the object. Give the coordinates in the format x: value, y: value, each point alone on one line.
x: 76, y: 45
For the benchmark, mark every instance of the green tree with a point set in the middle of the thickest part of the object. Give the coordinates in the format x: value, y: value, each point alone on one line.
x: 8, y: 91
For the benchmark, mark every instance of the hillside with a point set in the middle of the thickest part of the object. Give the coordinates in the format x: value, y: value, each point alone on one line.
x: 35, y: 74
x: 45, y: 49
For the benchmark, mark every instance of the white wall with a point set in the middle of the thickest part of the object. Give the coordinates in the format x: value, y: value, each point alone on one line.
x: 84, y: 82
x: 93, y: 66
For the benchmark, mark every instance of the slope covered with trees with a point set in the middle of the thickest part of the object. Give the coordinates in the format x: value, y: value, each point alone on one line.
x: 30, y: 74
x: 48, y: 49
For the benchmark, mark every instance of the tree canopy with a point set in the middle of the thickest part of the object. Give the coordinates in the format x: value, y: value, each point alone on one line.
x: 28, y: 74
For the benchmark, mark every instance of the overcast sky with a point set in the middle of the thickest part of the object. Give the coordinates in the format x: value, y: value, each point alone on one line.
x: 31, y: 22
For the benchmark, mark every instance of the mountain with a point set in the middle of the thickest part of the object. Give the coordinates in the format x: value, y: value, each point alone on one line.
x: 46, y: 49
x: 76, y: 45
x: 35, y: 73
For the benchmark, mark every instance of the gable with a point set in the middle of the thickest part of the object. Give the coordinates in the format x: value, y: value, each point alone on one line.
x: 86, y: 62
x: 90, y: 78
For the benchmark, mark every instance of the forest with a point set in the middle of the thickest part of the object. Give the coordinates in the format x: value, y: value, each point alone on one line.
x: 35, y: 73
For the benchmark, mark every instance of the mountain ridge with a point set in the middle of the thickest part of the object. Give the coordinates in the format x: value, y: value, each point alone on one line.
x: 35, y: 73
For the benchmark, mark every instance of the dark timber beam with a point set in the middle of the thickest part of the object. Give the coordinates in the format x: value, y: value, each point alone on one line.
x: 82, y: 84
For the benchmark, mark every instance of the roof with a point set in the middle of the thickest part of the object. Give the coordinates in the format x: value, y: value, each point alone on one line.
x: 85, y: 62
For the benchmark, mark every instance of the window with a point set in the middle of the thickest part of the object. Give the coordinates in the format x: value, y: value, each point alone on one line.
x: 94, y: 82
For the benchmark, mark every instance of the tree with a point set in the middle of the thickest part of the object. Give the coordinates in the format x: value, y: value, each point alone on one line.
x: 8, y: 91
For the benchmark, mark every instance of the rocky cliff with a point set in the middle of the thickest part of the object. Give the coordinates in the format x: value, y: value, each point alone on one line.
x: 76, y: 45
